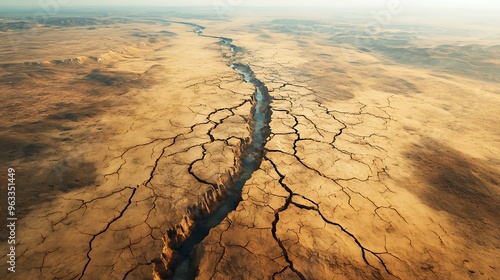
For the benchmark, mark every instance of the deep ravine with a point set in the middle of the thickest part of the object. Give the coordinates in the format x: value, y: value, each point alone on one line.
x: 177, y: 257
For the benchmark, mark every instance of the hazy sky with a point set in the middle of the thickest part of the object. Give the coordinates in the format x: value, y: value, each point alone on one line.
x: 477, y: 4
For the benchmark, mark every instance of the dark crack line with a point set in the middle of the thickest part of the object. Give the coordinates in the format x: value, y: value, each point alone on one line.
x: 279, y: 272
x: 151, y: 175
x: 134, y: 268
x: 277, y: 218
x: 316, y: 209
x: 208, y: 211
x: 105, y: 229
x: 363, y: 249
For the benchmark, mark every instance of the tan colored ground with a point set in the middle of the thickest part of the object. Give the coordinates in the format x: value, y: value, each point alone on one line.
x: 103, y: 169
x: 375, y: 169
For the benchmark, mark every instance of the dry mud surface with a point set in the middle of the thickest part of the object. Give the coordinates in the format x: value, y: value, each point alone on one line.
x: 381, y: 160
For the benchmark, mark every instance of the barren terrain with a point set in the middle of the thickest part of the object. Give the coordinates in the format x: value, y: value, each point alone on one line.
x: 179, y: 146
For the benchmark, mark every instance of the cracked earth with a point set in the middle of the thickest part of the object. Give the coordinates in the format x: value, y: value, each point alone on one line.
x: 356, y: 181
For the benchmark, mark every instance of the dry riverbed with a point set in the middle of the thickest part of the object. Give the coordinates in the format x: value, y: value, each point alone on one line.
x: 374, y: 167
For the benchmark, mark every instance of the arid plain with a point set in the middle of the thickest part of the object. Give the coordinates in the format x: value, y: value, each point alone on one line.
x: 379, y: 157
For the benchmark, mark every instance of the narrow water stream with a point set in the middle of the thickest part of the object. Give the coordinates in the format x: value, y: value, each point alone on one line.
x: 251, y: 160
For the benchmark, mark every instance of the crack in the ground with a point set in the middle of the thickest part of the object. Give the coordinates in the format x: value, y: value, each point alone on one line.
x: 214, y: 120
x: 277, y: 217
x: 247, y: 160
x: 316, y: 208
x: 89, y: 259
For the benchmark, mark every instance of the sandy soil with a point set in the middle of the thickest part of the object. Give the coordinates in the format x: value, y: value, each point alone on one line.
x: 374, y: 170
x: 380, y: 165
